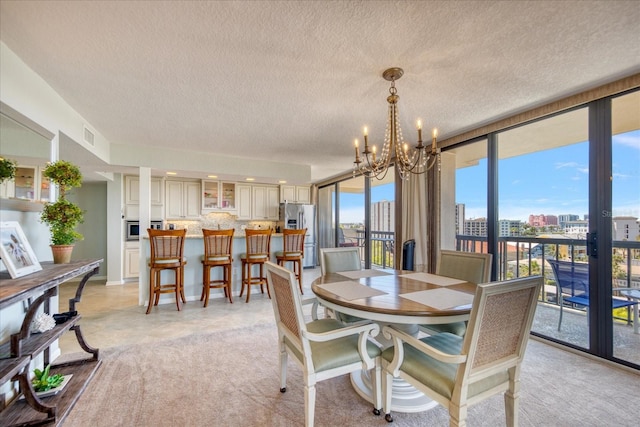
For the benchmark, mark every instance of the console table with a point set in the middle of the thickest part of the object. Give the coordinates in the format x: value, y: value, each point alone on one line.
x: 24, y: 346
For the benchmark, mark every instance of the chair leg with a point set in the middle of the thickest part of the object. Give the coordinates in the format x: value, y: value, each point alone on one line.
x: 243, y: 279
x: 181, y: 278
x: 227, y: 280
x: 298, y: 263
x: 151, y: 289
x: 457, y: 415
x: 249, y: 278
x: 511, y: 401
x: 310, y: 404
x: 387, y: 383
x: 376, y: 379
x: 560, y: 319
x: 178, y: 289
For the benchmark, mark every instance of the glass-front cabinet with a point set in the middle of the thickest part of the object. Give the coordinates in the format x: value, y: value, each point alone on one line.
x: 28, y: 184
x: 218, y: 195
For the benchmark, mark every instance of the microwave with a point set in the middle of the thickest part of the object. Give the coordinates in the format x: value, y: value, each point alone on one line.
x: 133, y: 229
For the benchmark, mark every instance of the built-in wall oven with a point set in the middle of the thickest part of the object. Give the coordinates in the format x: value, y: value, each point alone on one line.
x: 133, y: 229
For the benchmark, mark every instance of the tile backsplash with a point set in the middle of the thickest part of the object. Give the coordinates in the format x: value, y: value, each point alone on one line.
x: 219, y: 221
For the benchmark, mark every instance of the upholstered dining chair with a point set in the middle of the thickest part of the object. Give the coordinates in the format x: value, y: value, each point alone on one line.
x: 292, y: 251
x: 468, y: 266
x: 167, y: 253
x: 336, y: 260
x: 218, y: 245
x: 323, y: 348
x: 458, y: 372
x: 257, y: 253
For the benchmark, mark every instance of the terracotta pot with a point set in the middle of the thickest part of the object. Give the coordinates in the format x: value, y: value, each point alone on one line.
x: 61, y: 253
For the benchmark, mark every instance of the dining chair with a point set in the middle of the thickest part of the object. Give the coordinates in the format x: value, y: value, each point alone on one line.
x: 292, y: 251
x: 336, y: 260
x: 257, y: 253
x: 468, y: 266
x: 323, y: 348
x: 167, y: 253
x: 457, y: 372
x: 218, y: 246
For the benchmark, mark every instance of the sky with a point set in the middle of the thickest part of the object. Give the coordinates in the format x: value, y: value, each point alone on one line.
x: 550, y: 182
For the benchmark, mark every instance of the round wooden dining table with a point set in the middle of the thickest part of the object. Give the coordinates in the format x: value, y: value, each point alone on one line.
x: 404, y: 299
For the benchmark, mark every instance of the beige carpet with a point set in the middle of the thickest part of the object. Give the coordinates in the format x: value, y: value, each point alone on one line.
x: 230, y: 378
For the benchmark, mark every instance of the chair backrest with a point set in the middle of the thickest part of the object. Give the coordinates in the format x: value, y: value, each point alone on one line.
x: 335, y: 260
x: 499, y: 327
x: 166, y: 245
x: 293, y: 242
x: 571, y: 277
x: 217, y: 243
x: 258, y: 242
x: 470, y: 266
x: 287, y: 306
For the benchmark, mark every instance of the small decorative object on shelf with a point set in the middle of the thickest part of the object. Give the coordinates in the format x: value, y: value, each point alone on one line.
x: 62, y: 216
x: 42, y: 323
x: 42, y: 381
x: 7, y: 169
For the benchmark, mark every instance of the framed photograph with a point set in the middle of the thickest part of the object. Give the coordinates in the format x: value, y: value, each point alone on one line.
x: 15, y: 251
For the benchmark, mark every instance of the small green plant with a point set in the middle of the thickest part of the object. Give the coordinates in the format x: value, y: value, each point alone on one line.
x: 7, y: 169
x: 43, y: 382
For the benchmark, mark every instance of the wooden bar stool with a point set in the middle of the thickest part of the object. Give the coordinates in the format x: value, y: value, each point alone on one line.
x: 167, y: 249
x: 258, y: 252
x: 293, y: 251
x: 217, y: 253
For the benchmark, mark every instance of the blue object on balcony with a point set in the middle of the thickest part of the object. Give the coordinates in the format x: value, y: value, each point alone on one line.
x: 408, y: 248
x: 572, y: 279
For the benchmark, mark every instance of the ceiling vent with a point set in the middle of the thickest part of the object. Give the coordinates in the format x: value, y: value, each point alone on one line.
x: 89, y: 137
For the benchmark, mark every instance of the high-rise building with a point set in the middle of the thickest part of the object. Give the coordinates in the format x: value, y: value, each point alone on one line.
x: 459, y: 218
x: 625, y: 228
x: 475, y: 227
x: 383, y: 216
x: 563, y: 219
x: 508, y: 227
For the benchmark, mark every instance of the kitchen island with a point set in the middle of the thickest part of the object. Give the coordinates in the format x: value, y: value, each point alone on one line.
x: 193, y: 251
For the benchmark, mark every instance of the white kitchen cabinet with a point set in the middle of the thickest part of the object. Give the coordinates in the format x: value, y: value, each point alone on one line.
x: 132, y: 197
x: 131, y: 260
x: 28, y: 184
x: 265, y: 202
x: 243, y: 201
x: 182, y: 199
x: 295, y: 194
x: 218, y: 196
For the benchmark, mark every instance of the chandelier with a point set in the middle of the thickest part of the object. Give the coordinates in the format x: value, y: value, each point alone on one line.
x: 416, y: 160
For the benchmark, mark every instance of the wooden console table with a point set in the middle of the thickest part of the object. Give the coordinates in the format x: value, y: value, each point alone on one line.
x: 24, y: 346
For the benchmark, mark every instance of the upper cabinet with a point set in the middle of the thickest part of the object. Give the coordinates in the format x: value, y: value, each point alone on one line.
x: 218, y: 196
x: 28, y: 184
x: 243, y: 201
x: 182, y: 199
x: 295, y: 194
x: 132, y: 197
x: 265, y: 202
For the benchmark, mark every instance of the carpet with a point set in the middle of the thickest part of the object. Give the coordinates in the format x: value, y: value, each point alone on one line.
x: 230, y: 378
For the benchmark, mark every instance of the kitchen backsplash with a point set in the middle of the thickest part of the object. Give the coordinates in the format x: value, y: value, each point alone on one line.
x: 217, y: 220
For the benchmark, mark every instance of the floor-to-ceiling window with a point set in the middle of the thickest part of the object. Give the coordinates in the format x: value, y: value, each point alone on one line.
x: 565, y: 187
x: 625, y: 200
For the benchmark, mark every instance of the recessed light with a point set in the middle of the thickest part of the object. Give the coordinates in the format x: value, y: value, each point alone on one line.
x: 250, y: 179
x: 172, y: 173
x: 212, y: 176
x: 282, y: 181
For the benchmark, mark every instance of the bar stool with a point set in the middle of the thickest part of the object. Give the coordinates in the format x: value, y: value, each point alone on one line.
x: 293, y: 251
x: 217, y: 253
x: 258, y: 252
x: 167, y: 249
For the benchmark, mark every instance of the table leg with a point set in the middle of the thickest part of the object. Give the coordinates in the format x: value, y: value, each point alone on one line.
x: 405, y: 397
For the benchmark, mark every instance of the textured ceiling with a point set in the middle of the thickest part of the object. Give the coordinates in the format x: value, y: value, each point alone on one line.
x: 295, y: 81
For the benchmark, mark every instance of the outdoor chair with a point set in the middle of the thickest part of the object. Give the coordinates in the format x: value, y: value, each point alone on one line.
x: 468, y: 266
x: 457, y: 372
x: 572, y: 281
x: 323, y: 348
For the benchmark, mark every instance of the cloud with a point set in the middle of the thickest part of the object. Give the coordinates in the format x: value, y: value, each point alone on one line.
x: 566, y: 165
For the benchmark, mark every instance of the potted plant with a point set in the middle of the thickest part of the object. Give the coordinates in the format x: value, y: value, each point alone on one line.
x: 7, y: 169
x: 63, y: 216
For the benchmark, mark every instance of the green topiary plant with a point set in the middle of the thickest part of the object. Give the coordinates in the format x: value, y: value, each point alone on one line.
x: 62, y: 216
x: 7, y: 169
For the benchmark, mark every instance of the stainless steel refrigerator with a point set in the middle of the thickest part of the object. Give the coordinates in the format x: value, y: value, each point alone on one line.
x: 297, y: 216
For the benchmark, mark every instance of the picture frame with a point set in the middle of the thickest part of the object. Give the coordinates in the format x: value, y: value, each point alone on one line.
x: 15, y: 251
